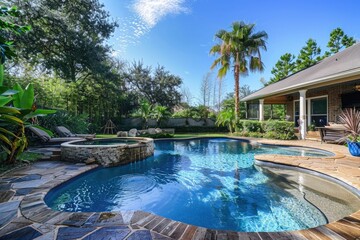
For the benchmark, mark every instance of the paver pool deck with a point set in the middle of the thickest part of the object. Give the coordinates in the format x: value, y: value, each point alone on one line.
x: 24, y: 215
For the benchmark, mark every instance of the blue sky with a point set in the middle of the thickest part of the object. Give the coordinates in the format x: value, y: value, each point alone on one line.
x: 178, y: 34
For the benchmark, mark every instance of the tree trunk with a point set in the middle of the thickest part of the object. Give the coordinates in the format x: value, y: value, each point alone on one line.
x: 237, y: 97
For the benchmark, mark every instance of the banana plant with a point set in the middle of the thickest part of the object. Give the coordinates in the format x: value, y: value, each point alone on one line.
x: 12, y: 133
x: 14, y: 119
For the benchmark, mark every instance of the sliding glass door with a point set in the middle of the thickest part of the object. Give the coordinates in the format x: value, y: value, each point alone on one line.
x: 316, y: 111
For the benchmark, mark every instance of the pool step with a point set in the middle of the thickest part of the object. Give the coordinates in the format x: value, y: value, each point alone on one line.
x: 55, y: 157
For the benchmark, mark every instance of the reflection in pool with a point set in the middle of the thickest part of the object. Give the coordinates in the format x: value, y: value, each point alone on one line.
x: 211, y: 183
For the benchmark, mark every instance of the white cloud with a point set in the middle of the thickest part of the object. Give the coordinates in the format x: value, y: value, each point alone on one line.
x: 142, y: 17
x: 152, y: 11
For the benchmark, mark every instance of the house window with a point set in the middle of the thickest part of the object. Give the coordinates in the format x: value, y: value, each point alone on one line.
x: 296, y: 112
x: 318, y: 108
x: 317, y: 114
x: 253, y: 111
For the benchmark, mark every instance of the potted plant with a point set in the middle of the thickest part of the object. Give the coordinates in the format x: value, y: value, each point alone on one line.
x: 351, y: 119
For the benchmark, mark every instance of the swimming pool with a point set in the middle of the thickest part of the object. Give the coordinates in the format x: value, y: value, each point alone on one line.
x: 211, y: 183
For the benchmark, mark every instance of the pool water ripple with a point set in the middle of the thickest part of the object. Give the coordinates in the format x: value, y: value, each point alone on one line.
x: 211, y: 183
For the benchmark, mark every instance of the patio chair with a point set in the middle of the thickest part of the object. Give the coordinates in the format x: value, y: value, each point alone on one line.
x: 64, y: 132
x: 46, y: 138
x: 133, y: 132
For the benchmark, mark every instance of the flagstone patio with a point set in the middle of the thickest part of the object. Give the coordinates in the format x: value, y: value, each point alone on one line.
x: 24, y: 215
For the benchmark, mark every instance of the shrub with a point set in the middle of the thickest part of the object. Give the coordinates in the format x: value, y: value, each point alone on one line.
x: 75, y: 123
x: 158, y: 135
x: 197, y: 129
x: 272, y: 129
x: 255, y: 134
x: 271, y: 135
x: 252, y: 126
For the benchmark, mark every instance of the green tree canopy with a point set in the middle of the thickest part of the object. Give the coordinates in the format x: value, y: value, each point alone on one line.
x: 284, y: 67
x: 68, y: 37
x: 309, y: 55
x: 338, y: 40
x: 239, y: 49
x: 161, y: 87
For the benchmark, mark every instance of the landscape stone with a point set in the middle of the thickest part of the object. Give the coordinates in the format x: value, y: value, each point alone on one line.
x: 68, y: 233
x: 108, y: 233
x: 140, y: 235
x: 26, y: 233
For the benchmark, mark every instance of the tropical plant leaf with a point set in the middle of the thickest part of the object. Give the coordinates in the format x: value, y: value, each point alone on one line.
x: 5, y: 100
x: 7, y: 150
x: 10, y: 118
x: 5, y: 139
x: 27, y: 99
x: 10, y: 110
x: 9, y: 92
x: 17, y: 97
x: 7, y: 132
x: 39, y: 113
x: 44, y: 111
x: 1, y: 74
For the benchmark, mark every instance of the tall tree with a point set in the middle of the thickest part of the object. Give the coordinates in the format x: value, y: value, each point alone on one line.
x: 160, y: 88
x: 240, y: 49
x: 309, y: 55
x: 8, y: 26
x: 205, y: 90
x: 283, y: 67
x: 68, y: 37
x: 338, y: 40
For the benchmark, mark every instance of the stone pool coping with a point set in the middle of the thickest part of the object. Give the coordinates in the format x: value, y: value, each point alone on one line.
x: 24, y: 210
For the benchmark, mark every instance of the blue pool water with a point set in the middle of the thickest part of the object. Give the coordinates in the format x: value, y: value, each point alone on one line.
x: 211, y: 183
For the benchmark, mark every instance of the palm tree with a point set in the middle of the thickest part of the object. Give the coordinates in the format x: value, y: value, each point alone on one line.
x: 227, y: 118
x: 144, y: 112
x: 240, y: 48
x: 160, y: 113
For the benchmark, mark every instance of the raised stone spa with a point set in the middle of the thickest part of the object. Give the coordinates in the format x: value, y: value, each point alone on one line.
x: 107, y: 152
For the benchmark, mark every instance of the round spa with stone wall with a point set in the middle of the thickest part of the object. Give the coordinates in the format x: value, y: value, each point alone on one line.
x: 107, y: 152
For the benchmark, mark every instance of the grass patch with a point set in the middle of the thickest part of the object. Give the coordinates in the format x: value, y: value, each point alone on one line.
x: 105, y: 135
x: 24, y: 159
x: 177, y: 135
x: 189, y: 135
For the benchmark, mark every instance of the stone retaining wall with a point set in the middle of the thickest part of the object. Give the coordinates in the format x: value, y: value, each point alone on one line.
x: 108, y: 155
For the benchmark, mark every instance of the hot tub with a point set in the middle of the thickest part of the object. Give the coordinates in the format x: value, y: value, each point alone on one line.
x: 107, y: 152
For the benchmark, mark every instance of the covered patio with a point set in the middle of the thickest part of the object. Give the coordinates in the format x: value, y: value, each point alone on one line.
x: 315, y: 95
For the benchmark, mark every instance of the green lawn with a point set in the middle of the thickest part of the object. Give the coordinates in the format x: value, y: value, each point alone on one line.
x: 23, y: 159
x: 177, y: 135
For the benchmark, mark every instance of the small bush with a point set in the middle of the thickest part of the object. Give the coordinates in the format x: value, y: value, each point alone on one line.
x: 251, y: 126
x: 271, y: 135
x: 158, y: 135
x: 255, y: 134
x: 239, y: 126
x: 75, y: 123
x: 271, y: 129
x: 199, y: 129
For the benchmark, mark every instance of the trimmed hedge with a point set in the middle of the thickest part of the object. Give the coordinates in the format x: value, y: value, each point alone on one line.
x: 272, y: 129
x: 200, y: 129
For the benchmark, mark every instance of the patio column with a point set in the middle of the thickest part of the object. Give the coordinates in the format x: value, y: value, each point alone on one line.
x: 302, y: 115
x: 246, y: 110
x: 261, y: 110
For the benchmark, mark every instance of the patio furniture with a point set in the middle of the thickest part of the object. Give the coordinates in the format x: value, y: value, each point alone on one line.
x: 333, y: 133
x: 64, y: 132
x: 46, y: 138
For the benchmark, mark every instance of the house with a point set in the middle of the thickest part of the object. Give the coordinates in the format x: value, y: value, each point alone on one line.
x: 315, y: 95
